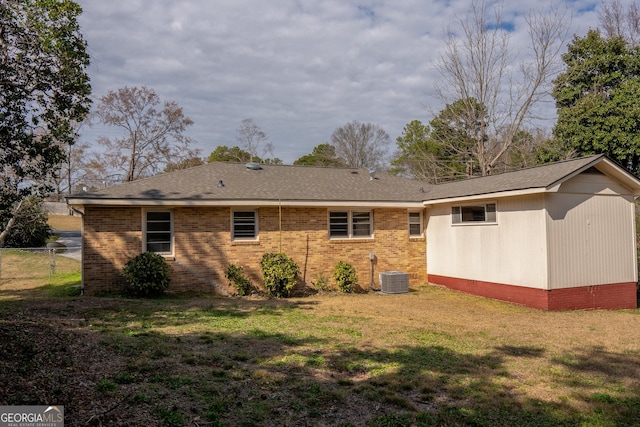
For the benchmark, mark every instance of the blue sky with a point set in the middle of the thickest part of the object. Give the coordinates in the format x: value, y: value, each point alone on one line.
x: 298, y: 68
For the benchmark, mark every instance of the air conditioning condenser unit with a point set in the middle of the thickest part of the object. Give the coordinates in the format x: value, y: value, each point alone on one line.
x: 394, y: 282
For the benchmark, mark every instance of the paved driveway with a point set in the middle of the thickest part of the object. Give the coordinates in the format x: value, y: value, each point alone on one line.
x: 73, y: 241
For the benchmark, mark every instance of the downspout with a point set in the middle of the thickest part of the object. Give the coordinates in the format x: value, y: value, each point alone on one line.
x: 280, y: 225
x: 79, y: 212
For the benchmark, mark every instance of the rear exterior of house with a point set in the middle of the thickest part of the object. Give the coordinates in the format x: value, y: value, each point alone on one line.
x: 571, y: 246
x: 205, y: 219
x: 555, y: 237
x: 202, y: 244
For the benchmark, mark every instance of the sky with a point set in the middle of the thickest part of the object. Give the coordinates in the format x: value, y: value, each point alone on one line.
x: 298, y: 68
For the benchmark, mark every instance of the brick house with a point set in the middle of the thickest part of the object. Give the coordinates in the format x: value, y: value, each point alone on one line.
x: 550, y: 237
x: 204, y: 218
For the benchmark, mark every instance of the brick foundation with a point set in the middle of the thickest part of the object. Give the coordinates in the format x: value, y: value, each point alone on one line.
x: 608, y: 297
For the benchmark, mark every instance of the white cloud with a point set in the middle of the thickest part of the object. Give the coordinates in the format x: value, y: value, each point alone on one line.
x: 299, y: 68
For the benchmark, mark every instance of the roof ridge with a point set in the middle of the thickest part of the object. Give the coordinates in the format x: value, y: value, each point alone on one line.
x: 591, y: 156
x: 294, y: 166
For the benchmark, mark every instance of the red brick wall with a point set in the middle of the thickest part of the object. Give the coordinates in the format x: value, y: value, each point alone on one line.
x: 607, y: 296
x: 203, y: 246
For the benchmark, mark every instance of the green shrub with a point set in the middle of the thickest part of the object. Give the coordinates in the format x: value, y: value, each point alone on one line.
x: 279, y: 273
x: 30, y: 230
x: 235, y: 275
x: 345, y: 276
x: 322, y: 283
x: 147, y: 275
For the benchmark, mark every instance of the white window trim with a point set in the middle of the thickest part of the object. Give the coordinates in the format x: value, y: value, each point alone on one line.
x: 350, y: 235
x: 421, y: 213
x: 171, y: 253
x: 256, y: 227
x: 472, y: 223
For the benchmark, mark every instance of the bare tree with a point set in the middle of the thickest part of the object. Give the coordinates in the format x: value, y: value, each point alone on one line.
x: 361, y: 145
x: 71, y: 169
x: 154, y: 133
x: 478, y: 68
x: 618, y: 22
x: 253, y: 140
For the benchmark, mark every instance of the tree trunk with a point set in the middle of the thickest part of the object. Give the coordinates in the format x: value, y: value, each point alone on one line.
x: 7, y: 229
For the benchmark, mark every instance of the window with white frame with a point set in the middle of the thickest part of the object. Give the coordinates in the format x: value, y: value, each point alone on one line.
x: 158, y: 234
x: 350, y: 224
x: 244, y: 225
x: 474, y: 214
x: 415, y: 224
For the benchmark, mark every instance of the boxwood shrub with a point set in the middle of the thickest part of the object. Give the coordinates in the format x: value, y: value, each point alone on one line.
x: 279, y: 273
x: 147, y: 275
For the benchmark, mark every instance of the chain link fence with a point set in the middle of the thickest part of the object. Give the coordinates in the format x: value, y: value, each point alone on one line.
x: 27, y: 266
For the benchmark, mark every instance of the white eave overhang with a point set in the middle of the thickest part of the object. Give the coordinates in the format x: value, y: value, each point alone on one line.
x: 254, y: 203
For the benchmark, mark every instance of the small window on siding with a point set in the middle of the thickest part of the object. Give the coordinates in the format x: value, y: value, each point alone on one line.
x: 471, y: 214
x: 245, y: 225
x: 350, y: 224
x: 415, y: 224
x: 159, y: 232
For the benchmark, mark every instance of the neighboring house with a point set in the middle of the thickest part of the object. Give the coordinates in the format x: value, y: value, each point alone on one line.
x: 560, y: 236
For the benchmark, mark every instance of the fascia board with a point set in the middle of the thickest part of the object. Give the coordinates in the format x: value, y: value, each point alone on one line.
x: 610, y: 169
x: 214, y: 203
x: 502, y: 194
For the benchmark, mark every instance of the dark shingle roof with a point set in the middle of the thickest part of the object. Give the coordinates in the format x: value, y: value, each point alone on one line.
x: 537, y: 177
x: 272, y: 182
x: 235, y: 183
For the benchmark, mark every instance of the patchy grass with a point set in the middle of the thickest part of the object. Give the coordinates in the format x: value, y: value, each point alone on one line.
x: 34, y: 274
x: 64, y: 222
x: 431, y: 357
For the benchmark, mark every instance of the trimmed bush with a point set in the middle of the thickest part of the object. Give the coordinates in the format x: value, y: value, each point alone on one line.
x: 279, y: 273
x: 147, y: 275
x: 345, y: 277
x: 237, y: 279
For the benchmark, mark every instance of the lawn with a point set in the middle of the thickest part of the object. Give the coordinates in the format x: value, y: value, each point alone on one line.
x: 65, y: 222
x: 430, y: 357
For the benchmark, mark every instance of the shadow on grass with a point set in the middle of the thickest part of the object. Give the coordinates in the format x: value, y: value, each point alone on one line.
x: 63, y: 287
x: 242, y: 362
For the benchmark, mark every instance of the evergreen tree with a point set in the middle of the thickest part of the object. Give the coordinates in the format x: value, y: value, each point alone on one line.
x: 597, y: 99
x: 44, y: 90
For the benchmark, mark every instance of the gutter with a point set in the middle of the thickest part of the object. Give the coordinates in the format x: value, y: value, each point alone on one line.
x: 429, y: 203
x: 81, y: 213
x: 256, y: 202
